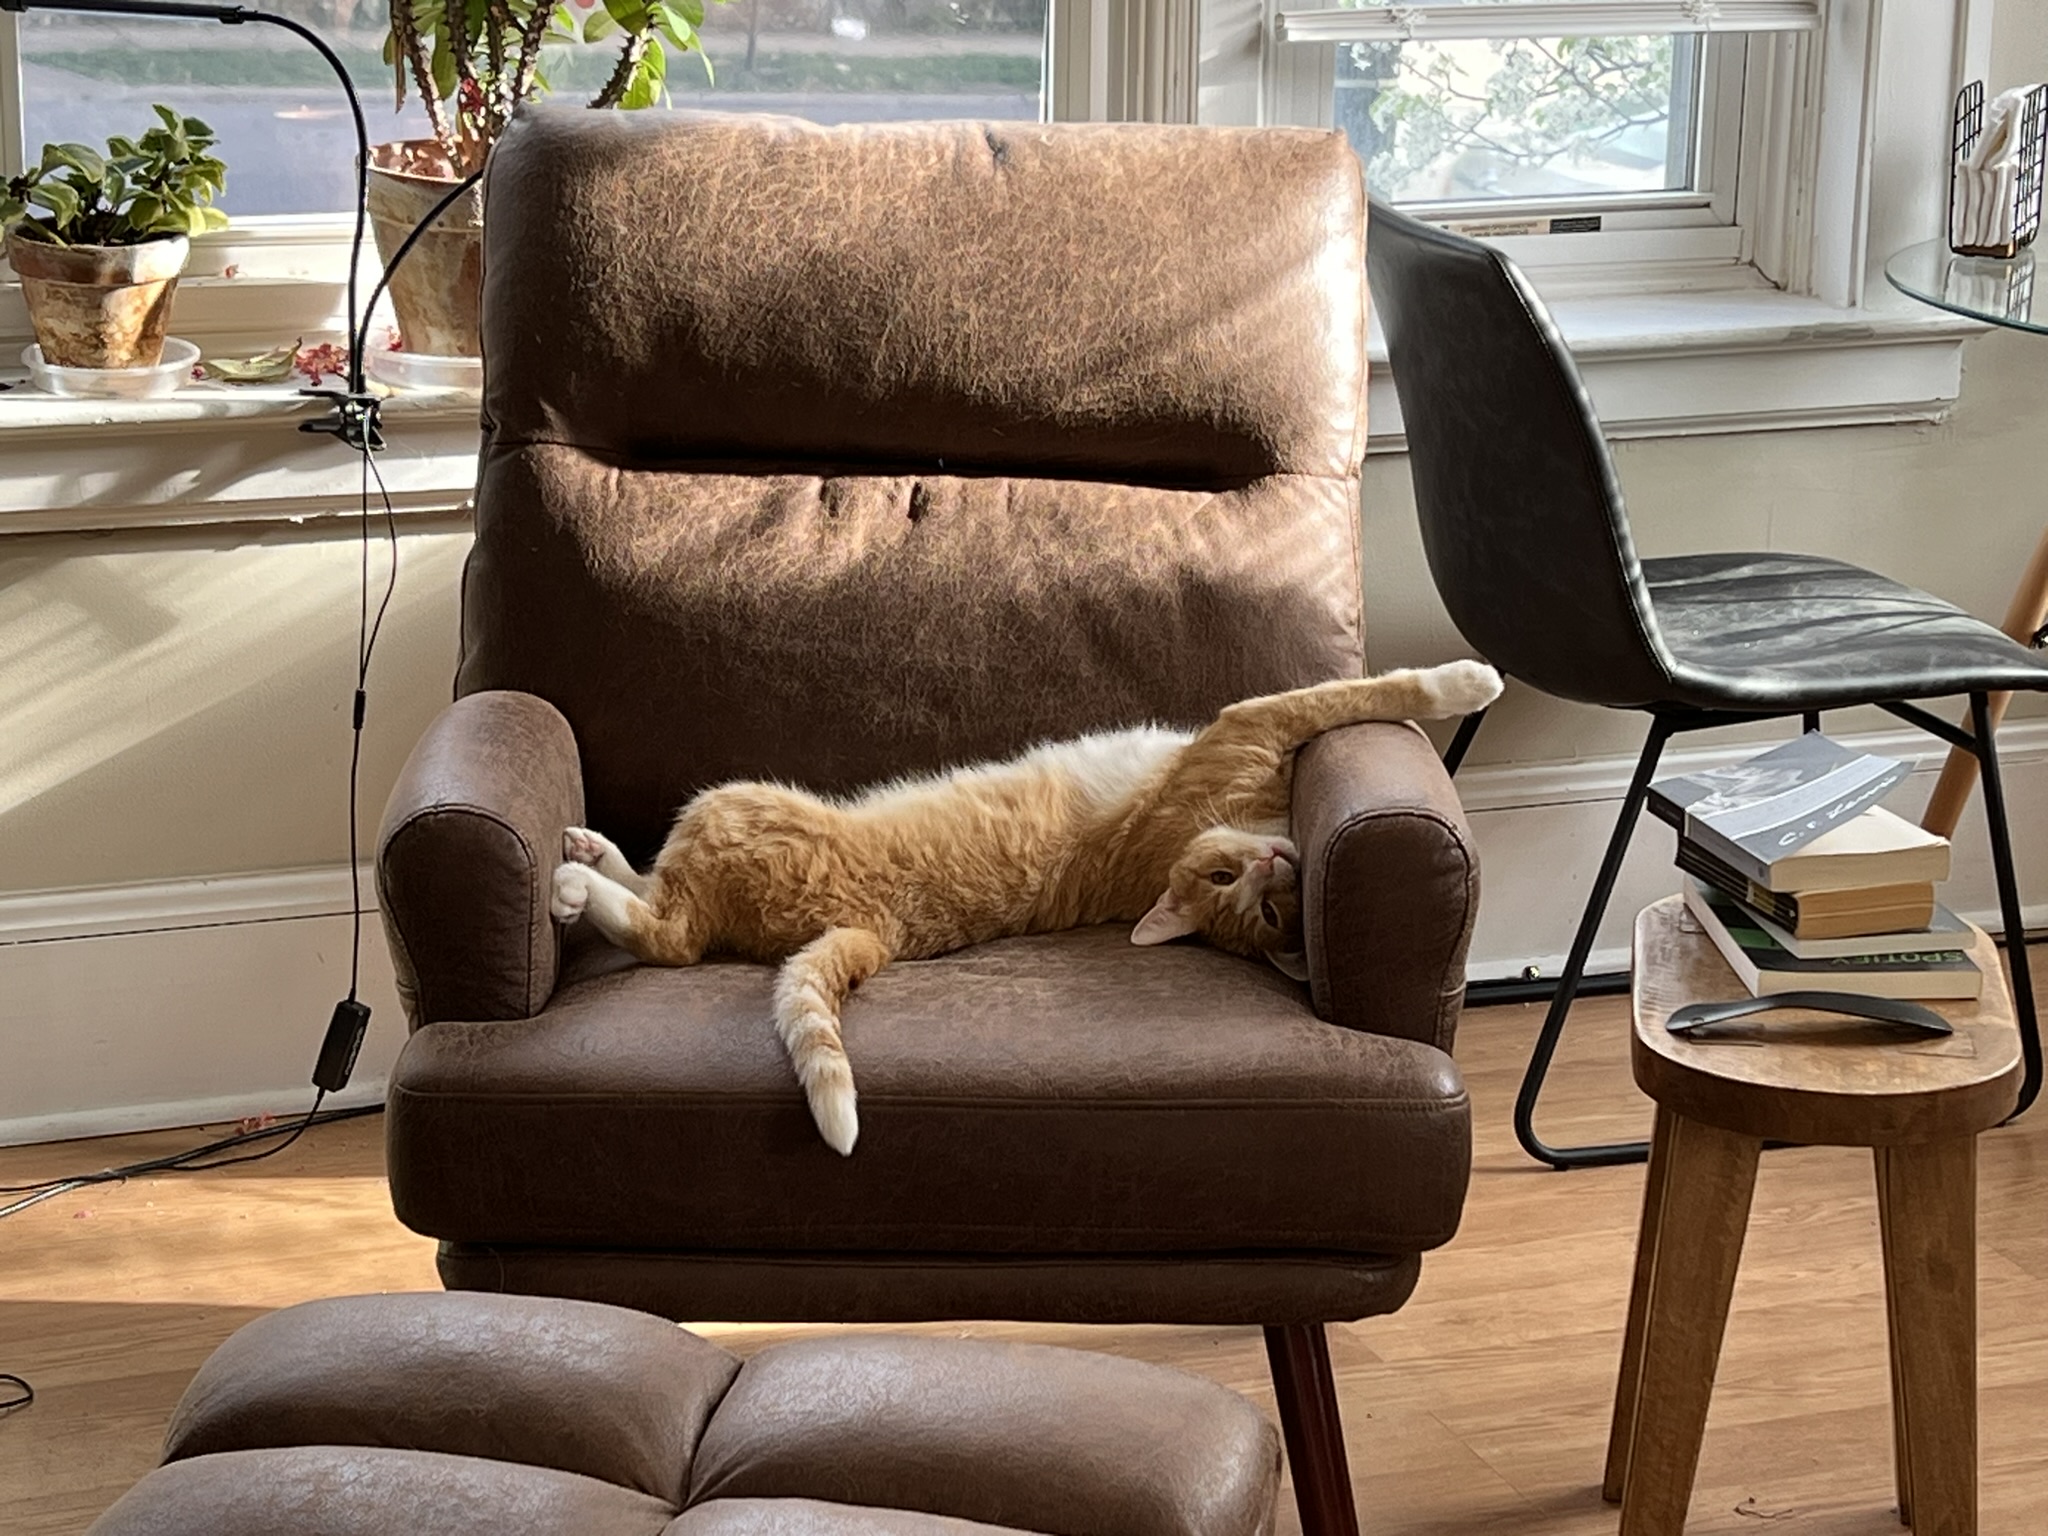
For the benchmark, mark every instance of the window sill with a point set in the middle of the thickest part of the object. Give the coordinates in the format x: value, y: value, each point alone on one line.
x: 217, y: 453
x: 1690, y: 364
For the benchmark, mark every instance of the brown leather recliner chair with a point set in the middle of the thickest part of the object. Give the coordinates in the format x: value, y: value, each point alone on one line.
x: 832, y: 454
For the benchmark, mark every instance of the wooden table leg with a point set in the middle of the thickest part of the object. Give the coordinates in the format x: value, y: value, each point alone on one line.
x: 2023, y: 617
x: 1927, y: 1200
x: 1628, y: 1387
x: 1703, y: 1213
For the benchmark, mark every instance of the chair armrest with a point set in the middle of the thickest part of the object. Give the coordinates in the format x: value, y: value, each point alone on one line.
x: 472, y: 834
x: 1390, y: 882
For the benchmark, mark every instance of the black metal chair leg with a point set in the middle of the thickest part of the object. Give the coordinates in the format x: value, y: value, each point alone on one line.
x: 1810, y: 721
x: 1454, y: 754
x: 1986, y: 751
x: 1574, y: 968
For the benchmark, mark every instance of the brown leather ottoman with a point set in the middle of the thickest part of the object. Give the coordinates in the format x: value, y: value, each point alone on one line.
x: 460, y: 1412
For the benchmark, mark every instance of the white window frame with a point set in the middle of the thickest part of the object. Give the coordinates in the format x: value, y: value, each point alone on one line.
x: 1694, y: 226
x: 1839, y: 135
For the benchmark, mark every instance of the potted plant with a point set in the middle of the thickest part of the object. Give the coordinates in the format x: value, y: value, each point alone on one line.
x: 98, y: 240
x: 472, y: 62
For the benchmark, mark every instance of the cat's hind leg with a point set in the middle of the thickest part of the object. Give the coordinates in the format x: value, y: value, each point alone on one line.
x: 580, y: 845
x: 808, y: 994
x: 1283, y: 721
x: 623, y: 916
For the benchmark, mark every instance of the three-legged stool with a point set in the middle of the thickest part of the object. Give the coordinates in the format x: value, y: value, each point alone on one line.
x: 1919, y: 1105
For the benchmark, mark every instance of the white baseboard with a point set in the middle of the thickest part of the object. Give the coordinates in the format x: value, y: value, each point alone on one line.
x: 181, y: 1003
x: 192, y: 1002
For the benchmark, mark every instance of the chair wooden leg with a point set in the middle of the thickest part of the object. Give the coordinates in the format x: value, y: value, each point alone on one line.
x: 1927, y: 1200
x: 1702, y: 1217
x: 1299, y: 1355
x: 1628, y: 1387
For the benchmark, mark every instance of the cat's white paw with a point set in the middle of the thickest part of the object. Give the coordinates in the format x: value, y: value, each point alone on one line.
x: 580, y: 845
x: 831, y: 1096
x: 1462, y: 687
x: 571, y: 892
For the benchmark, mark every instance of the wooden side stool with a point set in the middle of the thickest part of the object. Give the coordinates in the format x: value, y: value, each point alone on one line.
x: 1919, y: 1105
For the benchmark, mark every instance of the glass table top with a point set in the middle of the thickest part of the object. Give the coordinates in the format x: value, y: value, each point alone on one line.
x: 1982, y: 287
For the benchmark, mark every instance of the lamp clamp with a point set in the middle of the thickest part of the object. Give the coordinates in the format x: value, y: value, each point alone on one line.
x: 352, y: 418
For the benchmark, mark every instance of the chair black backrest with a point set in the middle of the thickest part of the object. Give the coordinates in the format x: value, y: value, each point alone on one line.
x: 1522, y: 518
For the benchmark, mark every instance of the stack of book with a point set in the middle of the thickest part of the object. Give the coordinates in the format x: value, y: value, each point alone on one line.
x: 1805, y: 883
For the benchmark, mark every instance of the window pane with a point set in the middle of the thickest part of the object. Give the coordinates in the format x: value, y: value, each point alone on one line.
x: 844, y: 61
x: 1569, y: 117
x: 283, y: 123
x: 285, y: 131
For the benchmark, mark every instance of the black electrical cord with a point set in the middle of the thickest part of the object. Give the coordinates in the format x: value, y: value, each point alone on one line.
x: 191, y: 1160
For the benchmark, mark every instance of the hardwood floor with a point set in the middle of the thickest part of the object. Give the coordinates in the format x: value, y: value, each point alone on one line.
x: 1480, y: 1407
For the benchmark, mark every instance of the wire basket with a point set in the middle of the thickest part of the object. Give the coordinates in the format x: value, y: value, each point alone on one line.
x: 2018, y: 179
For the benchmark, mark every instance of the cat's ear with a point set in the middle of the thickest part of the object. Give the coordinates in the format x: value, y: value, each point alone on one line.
x: 1168, y: 919
x: 1290, y: 962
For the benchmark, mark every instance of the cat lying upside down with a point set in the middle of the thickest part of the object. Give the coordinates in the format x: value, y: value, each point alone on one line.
x: 1178, y: 832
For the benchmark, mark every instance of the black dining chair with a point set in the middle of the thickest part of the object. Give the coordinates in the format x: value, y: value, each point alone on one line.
x: 1528, y: 542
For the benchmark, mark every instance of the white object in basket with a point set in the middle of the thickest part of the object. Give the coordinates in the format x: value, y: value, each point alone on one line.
x: 174, y: 369
x: 1981, y: 211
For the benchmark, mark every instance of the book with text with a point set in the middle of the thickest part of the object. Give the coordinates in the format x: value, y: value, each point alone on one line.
x: 1754, y: 814
x: 1875, y: 848
x: 1766, y: 967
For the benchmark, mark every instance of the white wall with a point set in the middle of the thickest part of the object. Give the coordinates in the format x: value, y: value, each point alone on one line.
x: 173, y: 735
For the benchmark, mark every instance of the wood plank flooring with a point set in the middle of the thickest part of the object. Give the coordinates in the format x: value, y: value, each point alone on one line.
x: 1480, y: 1407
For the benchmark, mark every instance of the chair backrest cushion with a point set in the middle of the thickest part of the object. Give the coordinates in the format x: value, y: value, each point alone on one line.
x: 1522, y: 518
x: 831, y: 454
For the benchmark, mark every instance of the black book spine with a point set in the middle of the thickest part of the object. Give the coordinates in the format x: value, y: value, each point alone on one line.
x: 1776, y: 905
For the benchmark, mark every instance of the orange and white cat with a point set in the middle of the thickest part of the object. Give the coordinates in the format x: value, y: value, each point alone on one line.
x: 1179, y: 832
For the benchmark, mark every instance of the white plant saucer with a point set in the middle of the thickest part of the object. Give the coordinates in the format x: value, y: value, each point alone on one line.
x: 421, y: 370
x: 171, y: 373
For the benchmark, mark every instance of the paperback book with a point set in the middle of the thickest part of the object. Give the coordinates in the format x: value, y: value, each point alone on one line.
x: 1942, y: 931
x: 1755, y: 815
x: 1876, y: 861
x: 1869, y: 909
x: 1766, y: 966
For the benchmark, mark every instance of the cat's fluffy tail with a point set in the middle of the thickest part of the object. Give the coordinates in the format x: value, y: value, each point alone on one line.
x: 808, y: 993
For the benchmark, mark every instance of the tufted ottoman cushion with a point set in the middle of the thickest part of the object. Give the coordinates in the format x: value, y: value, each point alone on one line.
x: 462, y: 1412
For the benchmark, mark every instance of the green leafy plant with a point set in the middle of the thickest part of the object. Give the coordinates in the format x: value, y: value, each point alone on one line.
x: 161, y: 184
x: 472, y: 62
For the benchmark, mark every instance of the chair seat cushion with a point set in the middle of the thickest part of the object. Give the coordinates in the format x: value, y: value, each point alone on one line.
x: 1063, y: 1093
x: 1795, y: 632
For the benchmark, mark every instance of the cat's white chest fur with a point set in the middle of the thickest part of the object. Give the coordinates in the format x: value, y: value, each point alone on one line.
x: 1108, y: 767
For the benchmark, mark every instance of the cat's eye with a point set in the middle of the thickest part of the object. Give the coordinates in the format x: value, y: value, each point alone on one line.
x: 1268, y: 912
x: 1220, y: 877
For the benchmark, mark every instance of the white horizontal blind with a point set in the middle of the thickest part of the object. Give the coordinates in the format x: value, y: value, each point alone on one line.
x: 1439, y: 22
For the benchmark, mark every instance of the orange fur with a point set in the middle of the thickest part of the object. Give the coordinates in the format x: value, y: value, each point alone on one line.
x: 1177, y: 833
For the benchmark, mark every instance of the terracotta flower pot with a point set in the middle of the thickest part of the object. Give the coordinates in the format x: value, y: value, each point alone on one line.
x: 438, y: 292
x: 98, y: 306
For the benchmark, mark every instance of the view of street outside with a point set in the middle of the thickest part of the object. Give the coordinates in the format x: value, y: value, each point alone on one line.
x: 284, y: 126
x: 1570, y: 117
